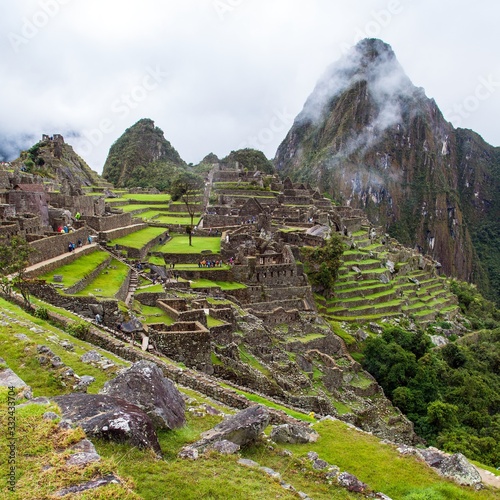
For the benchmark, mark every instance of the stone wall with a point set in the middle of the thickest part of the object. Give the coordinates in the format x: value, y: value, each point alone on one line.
x: 141, y: 253
x: 278, y: 316
x: 84, y: 306
x: 48, y: 266
x: 189, y: 346
x: 120, y: 232
x: 122, y: 293
x: 86, y: 205
x: 221, y: 220
x: 53, y: 246
x: 9, y: 229
x: 80, y: 285
x: 108, y: 222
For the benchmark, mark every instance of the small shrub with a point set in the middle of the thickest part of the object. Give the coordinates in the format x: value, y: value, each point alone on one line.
x: 79, y: 330
x: 41, y: 313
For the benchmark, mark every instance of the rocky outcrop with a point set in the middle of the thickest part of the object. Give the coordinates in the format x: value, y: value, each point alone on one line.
x: 109, y: 418
x: 373, y: 140
x: 144, y: 385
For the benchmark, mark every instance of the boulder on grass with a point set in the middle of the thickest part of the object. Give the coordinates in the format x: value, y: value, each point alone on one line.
x: 144, y: 385
x: 243, y: 428
x: 294, y: 434
x: 109, y: 418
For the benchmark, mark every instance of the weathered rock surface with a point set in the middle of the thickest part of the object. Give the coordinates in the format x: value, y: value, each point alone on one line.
x: 294, y: 434
x: 351, y: 483
x: 241, y: 429
x: 89, y: 485
x: 109, y: 418
x: 144, y: 385
x: 9, y: 379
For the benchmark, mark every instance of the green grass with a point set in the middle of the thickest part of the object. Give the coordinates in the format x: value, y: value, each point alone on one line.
x: 151, y: 314
x: 213, y: 322
x: 306, y: 338
x: 21, y: 355
x: 164, y: 218
x: 180, y: 244
x: 72, y: 273
x: 224, y: 285
x: 157, y: 198
x: 109, y: 281
x: 138, y: 239
x: 247, y: 357
x: 380, y: 466
x: 41, y: 453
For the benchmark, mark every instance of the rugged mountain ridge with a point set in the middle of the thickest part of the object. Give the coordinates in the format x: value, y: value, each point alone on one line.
x: 56, y: 160
x: 372, y: 140
x: 142, y: 157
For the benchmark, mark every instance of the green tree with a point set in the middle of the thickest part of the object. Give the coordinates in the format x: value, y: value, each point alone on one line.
x: 14, y: 258
x: 322, y: 264
x: 187, y: 187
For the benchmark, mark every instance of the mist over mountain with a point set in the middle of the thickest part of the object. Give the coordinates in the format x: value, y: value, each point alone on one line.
x: 373, y: 140
x: 11, y: 146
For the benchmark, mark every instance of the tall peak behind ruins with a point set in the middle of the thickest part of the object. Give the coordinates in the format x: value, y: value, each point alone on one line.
x: 373, y: 140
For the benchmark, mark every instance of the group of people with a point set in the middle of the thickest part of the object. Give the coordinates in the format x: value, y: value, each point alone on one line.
x: 210, y: 263
x: 79, y: 243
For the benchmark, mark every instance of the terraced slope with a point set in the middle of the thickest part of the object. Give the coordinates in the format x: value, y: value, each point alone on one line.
x: 379, y: 279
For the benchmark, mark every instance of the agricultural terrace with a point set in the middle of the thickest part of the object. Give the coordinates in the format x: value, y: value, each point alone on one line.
x: 138, y: 239
x: 109, y: 281
x: 143, y: 197
x: 223, y: 285
x: 179, y: 244
x: 72, y: 273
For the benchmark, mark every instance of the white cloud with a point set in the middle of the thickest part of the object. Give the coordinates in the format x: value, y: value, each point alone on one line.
x: 226, y: 75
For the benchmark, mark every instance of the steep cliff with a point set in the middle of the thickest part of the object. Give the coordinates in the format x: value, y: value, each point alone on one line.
x: 372, y: 140
x: 142, y: 157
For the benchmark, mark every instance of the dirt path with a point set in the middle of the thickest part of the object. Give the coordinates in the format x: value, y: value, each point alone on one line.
x: 489, y: 478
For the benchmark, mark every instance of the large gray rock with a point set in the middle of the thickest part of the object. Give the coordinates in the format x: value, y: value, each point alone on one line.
x: 458, y: 468
x: 144, y: 385
x: 109, y: 418
x: 294, y: 434
x: 9, y: 379
x: 455, y: 467
x: 242, y: 429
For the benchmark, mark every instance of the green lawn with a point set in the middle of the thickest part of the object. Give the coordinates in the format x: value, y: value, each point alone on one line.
x: 76, y: 270
x: 157, y: 198
x: 109, y: 281
x: 21, y: 354
x: 224, y: 285
x: 150, y: 314
x: 139, y: 238
x: 180, y: 244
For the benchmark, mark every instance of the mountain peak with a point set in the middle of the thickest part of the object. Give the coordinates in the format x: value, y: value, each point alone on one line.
x: 373, y: 49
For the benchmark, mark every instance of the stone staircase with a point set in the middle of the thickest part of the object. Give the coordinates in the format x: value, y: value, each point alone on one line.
x: 132, y: 287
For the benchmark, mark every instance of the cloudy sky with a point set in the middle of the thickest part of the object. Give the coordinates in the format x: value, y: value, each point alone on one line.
x: 217, y: 75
